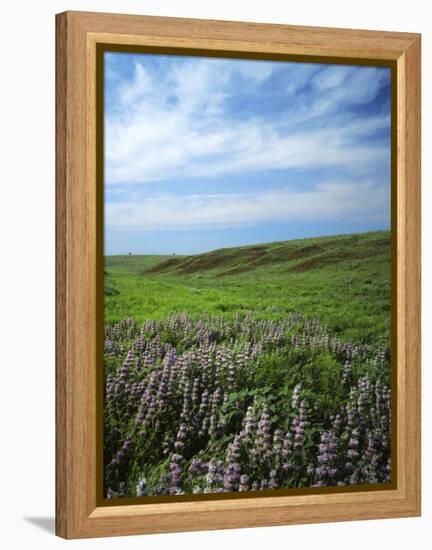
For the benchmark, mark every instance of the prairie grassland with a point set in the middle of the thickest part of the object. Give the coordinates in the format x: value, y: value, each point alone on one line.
x: 343, y: 281
x: 251, y: 368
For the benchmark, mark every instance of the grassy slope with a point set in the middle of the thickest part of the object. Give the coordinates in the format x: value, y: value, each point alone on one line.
x: 343, y: 280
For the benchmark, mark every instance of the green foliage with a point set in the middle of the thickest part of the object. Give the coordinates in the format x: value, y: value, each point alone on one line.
x: 344, y: 281
x: 110, y: 290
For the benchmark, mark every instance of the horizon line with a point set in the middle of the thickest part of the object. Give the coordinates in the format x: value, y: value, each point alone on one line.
x: 327, y: 236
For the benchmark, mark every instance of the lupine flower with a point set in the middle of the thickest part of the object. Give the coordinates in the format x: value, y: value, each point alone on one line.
x: 141, y: 488
x: 244, y: 483
x: 163, y: 404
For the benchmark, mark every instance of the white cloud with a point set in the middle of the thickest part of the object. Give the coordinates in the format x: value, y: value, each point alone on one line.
x: 299, y: 75
x: 136, y: 90
x: 175, y: 122
x: 345, y: 85
x: 173, y: 147
x: 331, y: 77
x: 340, y: 201
x: 255, y: 70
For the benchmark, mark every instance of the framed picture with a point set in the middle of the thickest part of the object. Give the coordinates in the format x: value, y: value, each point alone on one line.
x: 238, y: 274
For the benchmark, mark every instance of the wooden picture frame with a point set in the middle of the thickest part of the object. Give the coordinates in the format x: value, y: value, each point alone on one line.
x: 78, y: 334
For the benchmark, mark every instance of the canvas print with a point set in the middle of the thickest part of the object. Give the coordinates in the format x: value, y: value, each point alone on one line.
x: 247, y: 276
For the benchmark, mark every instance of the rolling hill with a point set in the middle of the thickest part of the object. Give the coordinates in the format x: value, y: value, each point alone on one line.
x: 296, y: 256
x: 342, y: 280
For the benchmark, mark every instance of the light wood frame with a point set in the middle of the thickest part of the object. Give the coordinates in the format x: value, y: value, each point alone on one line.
x: 77, y: 512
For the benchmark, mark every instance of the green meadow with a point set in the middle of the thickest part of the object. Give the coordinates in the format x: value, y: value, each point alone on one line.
x: 344, y: 281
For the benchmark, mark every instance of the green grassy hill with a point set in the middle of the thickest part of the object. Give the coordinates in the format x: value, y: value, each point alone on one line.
x: 342, y: 280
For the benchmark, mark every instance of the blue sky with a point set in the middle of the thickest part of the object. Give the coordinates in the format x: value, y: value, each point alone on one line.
x: 205, y: 153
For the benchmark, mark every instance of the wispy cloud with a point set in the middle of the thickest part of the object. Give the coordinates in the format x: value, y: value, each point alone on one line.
x: 352, y: 85
x: 304, y: 143
x: 179, y: 121
x: 328, y: 201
